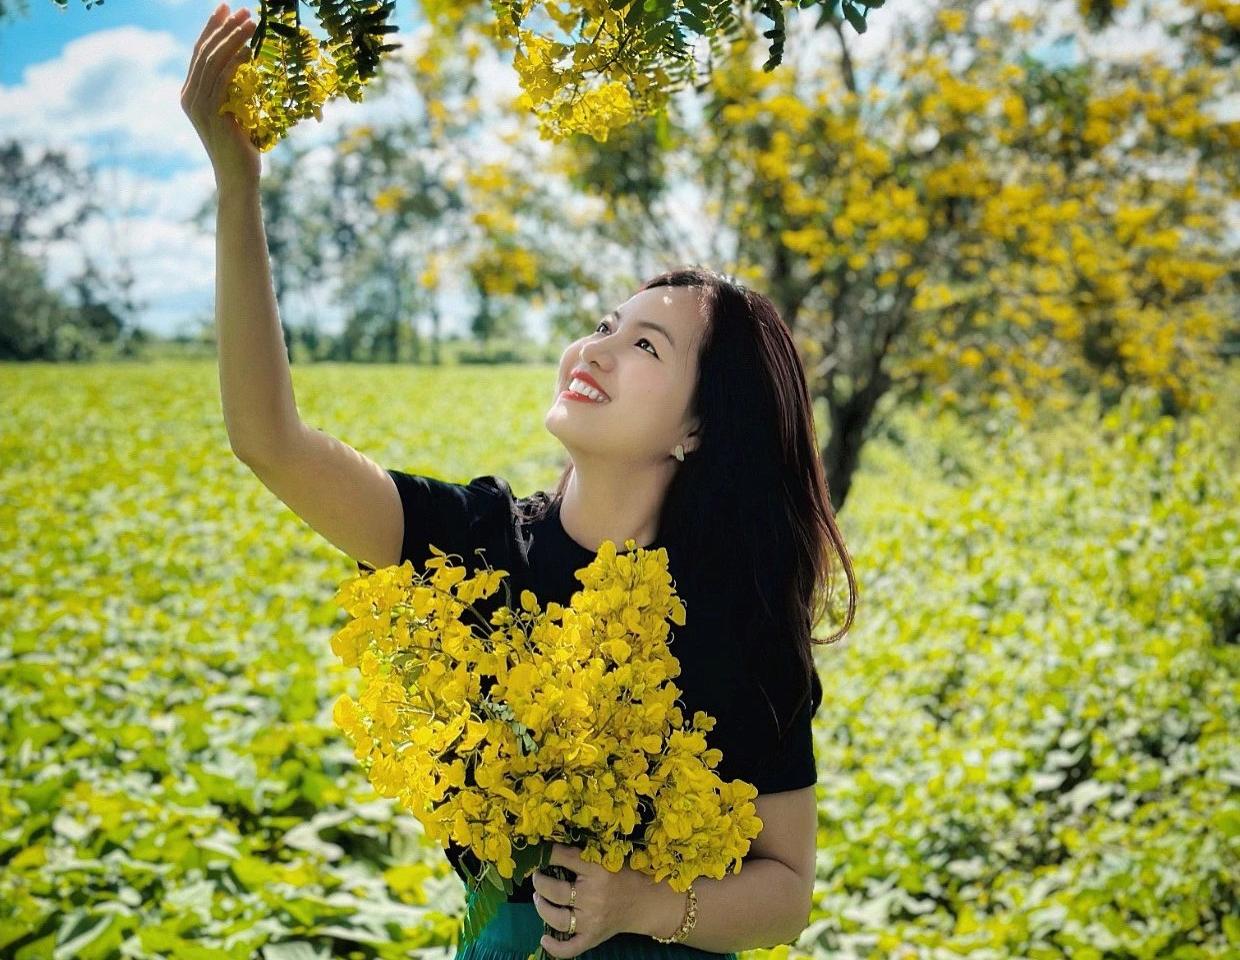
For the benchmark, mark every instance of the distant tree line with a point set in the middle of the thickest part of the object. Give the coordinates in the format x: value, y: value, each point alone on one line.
x: 44, y: 201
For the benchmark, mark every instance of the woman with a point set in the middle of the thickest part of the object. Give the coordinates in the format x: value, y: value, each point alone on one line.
x: 693, y: 432
x: 688, y: 426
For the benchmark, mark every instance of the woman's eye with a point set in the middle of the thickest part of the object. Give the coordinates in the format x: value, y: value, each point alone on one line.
x: 652, y: 351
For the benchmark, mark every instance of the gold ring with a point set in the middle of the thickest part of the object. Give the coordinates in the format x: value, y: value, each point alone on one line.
x: 572, y: 923
x: 572, y: 895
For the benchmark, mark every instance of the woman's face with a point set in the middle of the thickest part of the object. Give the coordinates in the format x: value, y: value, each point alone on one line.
x: 649, y: 378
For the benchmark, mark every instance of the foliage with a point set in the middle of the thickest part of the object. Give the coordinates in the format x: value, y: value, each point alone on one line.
x: 1005, y: 226
x: 627, y: 55
x: 1026, y: 747
x: 36, y: 322
x: 1211, y: 29
x: 1033, y: 749
x: 593, y: 66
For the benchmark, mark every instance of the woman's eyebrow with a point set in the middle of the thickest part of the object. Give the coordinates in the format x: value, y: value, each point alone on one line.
x: 615, y: 315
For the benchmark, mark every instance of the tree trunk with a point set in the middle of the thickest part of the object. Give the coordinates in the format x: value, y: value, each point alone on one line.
x: 849, y: 423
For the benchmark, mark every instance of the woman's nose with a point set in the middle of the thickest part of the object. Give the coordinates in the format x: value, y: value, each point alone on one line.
x: 595, y: 350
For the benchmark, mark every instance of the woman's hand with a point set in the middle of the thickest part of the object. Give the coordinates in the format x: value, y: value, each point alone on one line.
x: 606, y: 902
x: 220, y: 49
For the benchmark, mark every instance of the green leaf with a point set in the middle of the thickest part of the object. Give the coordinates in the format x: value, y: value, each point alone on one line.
x: 697, y: 25
x: 78, y: 936
x: 491, y: 875
x: 528, y: 859
x: 853, y: 17
x: 662, y: 130
x: 480, y: 907
x: 252, y: 873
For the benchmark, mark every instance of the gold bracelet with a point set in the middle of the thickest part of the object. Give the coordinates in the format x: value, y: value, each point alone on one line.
x: 687, y: 923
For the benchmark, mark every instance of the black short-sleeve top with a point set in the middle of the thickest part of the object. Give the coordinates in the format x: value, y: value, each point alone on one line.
x: 541, y: 556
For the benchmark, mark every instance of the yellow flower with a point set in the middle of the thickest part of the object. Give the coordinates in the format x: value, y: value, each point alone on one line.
x: 952, y: 20
x: 971, y: 357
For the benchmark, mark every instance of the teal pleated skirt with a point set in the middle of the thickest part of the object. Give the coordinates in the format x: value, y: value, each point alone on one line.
x: 513, y: 934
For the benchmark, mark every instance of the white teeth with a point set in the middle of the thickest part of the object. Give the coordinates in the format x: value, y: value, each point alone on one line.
x: 580, y: 386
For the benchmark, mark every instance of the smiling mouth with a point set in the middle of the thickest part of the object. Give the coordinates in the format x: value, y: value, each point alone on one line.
x: 568, y: 388
x: 581, y: 396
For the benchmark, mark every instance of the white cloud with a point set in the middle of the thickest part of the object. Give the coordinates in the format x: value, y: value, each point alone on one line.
x: 121, y: 85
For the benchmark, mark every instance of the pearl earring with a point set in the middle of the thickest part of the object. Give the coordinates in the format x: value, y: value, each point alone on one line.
x: 679, y: 452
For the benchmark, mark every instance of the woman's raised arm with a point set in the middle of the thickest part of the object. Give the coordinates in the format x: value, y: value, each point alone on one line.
x: 256, y: 386
x: 341, y: 493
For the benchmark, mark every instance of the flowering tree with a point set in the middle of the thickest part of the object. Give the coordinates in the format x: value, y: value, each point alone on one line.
x: 449, y: 186
x: 981, y: 227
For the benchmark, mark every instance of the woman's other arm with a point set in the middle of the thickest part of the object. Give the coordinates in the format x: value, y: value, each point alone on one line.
x: 767, y: 903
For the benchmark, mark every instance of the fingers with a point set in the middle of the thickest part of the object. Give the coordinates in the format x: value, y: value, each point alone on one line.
x: 560, y: 913
x: 223, y: 44
x: 190, y: 73
x: 231, y: 53
x: 207, y: 59
x: 556, y: 892
x: 217, y: 17
x: 550, y: 900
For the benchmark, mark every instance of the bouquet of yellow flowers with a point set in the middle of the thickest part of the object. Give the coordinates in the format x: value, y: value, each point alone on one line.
x: 558, y: 725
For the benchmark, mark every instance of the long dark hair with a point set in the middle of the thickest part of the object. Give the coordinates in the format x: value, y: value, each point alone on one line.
x: 749, y: 509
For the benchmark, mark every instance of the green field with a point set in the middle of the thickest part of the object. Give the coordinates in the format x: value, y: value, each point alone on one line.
x: 1027, y: 744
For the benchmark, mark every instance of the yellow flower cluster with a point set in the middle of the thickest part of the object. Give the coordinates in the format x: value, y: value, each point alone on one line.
x: 600, y: 111
x: 389, y: 199
x: 594, y: 87
x: 504, y: 269
x: 952, y: 20
x: 264, y: 101
x: 577, y: 734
